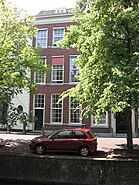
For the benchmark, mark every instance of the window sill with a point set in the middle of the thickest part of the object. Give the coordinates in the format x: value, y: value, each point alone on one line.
x: 99, y: 126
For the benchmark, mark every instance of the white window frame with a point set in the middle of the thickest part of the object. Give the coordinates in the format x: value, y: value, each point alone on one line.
x: 38, y: 107
x: 53, y: 81
x: 61, y: 108
x: 74, y: 82
x: 58, y: 28
x: 70, y: 123
x: 99, y: 125
x: 43, y: 75
x: 45, y: 38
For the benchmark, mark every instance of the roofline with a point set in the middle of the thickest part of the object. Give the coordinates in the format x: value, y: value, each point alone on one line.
x: 54, y: 15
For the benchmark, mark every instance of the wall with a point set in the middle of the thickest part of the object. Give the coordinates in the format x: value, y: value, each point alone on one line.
x: 68, y: 170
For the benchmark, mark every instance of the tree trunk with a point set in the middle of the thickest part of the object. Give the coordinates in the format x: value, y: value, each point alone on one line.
x: 129, y: 130
x: 24, y: 128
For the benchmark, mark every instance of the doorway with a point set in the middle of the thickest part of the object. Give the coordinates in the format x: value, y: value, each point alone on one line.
x: 38, y: 119
x: 121, y: 122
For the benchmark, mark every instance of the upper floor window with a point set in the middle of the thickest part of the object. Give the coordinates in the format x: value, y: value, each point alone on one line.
x: 74, y: 70
x: 42, y: 38
x: 58, y: 34
x: 57, y: 70
x: 40, y: 78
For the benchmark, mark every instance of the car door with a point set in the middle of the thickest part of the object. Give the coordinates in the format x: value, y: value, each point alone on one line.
x: 60, y: 141
x: 78, y: 139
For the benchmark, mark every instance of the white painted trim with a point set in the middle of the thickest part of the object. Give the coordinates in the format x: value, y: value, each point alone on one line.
x: 58, y: 56
x: 53, y: 19
x: 58, y: 28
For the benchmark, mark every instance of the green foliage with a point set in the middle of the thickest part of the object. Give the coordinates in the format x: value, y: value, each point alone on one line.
x: 17, y: 57
x: 15, y: 116
x: 107, y: 38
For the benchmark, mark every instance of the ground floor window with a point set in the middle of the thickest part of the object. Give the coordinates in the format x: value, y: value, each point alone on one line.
x: 56, y: 109
x: 102, y: 122
x: 75, y: 112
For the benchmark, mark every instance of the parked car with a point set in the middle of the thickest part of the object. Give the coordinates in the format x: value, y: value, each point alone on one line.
x: 79, y: 140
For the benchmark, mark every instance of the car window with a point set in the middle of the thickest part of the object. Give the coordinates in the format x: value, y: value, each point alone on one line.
x: 79, y: 135
x: 63, y: 135
x: 91, y: 134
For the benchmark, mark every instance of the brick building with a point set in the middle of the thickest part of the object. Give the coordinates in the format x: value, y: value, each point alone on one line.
x: 52, y: 25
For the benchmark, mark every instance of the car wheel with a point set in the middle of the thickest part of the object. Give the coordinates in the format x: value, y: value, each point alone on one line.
x: 40, y: 149
x: 84, y: 151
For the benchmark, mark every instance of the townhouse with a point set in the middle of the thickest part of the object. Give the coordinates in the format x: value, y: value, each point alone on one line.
x: 52, y: 25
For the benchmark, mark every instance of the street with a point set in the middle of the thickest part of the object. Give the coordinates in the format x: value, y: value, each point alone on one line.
x: 104, y: 143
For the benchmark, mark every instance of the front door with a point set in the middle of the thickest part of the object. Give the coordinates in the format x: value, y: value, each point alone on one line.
x: 121, y: 122
x: 38, y: 119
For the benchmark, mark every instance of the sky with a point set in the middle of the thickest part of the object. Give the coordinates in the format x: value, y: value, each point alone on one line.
x: 33, y: 7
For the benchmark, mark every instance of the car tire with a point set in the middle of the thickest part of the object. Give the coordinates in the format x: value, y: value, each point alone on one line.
x: 84, y: 151
x: 40, y: 149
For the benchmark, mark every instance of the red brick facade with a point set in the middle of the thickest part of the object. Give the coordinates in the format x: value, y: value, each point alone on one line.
x: 48, y: 89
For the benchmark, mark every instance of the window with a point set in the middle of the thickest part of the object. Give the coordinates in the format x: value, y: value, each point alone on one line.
x: 57, y: 69
x: 40, y: 78
x: 42, y: 38
x: 74, y: 70
x: 57, y: 74
x: 103, y: 122
x: 56, y: 109
x: 58, y: 34
x: 75, y: 112
x: 39, y: 101
x: 79, y: 135
x: 63, y: 135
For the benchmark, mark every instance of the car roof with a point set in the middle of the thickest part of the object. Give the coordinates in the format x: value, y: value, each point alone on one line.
x: 80, y: 129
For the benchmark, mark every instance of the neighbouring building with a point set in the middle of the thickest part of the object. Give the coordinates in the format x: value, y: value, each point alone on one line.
x: 52, y: 25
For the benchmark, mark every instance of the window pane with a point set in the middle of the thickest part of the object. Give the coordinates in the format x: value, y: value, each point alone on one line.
x: 74, y: 70
x: 79, y: 135
x: 63, y: 135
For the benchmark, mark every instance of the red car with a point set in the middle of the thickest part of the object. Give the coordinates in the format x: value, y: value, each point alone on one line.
x: 79, y: 140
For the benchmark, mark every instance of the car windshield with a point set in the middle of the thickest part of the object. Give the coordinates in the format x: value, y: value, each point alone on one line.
x: 91, y: 134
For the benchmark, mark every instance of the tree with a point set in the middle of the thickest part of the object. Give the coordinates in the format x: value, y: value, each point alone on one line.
x: 17, y: 57
x: 107, y: 38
